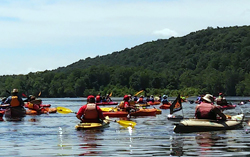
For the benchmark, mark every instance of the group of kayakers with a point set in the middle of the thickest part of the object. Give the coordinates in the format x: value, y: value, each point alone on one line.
x: 100, y: 98
x: 90, y: 112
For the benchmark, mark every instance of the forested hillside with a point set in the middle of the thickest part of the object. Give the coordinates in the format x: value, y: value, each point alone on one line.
x: 211, y: 60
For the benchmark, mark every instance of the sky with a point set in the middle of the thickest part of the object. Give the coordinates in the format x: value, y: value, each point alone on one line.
x: 39, y: 35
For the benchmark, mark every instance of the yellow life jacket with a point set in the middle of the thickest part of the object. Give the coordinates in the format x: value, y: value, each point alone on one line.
x: 30, y: 105
x: 14, y: 101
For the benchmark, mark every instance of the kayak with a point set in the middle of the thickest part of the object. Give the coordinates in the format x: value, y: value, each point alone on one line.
x: 107, y: 103
x: 26, y: 105
x: 154, y: 103
x: 203, y: 125
x: 112, y: 109
x: 140, y: 112
x: 43, y: 111
x: 4, y: 106
x: 14, y: 113
x: 165, y: 106
x: 1, y: 114
x: 229, y: 106
x: 84, y: 126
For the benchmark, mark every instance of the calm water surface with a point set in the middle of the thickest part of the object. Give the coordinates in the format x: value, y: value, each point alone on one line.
x: 54, y: 135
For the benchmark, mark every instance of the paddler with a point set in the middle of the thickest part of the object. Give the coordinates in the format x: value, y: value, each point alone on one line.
x: 207, y: 110
x: 90, y: 113
x: 125, y: 105
x: 14, y: 100
x: 221, y: 100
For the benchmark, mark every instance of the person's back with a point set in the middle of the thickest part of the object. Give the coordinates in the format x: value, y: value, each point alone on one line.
x: 90, y: 113
x: 221, y: 100
x: 165, y: 100
x: 14, y: 100
x: 206, y: 109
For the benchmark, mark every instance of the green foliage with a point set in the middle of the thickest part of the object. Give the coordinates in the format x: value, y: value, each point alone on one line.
x: 212, y: 60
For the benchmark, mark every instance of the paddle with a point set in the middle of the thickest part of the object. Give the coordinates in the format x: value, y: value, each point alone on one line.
x: 138, y: 93
x: 64, y: 110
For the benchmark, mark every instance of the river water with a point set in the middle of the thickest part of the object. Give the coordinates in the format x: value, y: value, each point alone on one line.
x: 55, y: 135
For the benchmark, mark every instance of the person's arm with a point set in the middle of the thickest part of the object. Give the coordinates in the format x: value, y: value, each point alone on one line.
x: 7, y: 101
x: 222, y: 115
x: 100, y: 113
x: 80, y: 112
x: 21, y: 101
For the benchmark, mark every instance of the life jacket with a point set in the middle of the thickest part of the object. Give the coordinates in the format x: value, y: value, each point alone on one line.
x: 33, y: 106
x: 221, y: 101
x: 124, y: 104
x: 121, y: 105
x: 14, y: 101
x: 205, y: 111
x: 140, y: 100
x: 151, y: 100
x: 91, y: 112
x: 164, y: 101
x: 98, y: 98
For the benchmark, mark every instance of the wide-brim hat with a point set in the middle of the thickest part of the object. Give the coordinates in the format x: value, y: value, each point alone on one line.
x: 14, y: 91
x: 208, y: 98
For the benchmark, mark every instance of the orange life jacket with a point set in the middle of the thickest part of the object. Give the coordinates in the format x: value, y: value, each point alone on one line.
x: 14, y: 101
x: 91, y: 112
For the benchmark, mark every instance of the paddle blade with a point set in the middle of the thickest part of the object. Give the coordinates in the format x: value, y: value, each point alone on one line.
x: 24, y: 95
x: 64, y: 110
x: 138, y: 92
x: 110, y: 94
x: 126, y: 123
x: 40, y: 93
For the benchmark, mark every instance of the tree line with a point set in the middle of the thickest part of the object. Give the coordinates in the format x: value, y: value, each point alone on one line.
x: 212, y: 60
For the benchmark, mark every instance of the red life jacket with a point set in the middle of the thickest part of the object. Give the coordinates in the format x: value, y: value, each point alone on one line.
x: 205, y: 111
x: 90, y: 112
x: 98, y: 98
x: 14, y: 101
x: 140, y: 100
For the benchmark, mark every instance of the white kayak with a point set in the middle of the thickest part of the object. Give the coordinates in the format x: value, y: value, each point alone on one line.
x: 202, y: 125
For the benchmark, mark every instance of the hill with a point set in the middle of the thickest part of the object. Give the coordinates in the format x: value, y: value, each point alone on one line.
x: 212, y: 60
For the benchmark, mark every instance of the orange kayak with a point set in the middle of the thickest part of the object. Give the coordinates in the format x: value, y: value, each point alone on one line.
x: 43, y: 111
x: 165, y: 106
x: 154, y: 103
x: 140, y: 112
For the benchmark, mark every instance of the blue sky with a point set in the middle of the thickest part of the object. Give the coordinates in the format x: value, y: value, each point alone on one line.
x: 38, y: 35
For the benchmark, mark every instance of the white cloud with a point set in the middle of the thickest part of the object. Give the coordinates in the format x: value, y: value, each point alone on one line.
x: 165, y: 33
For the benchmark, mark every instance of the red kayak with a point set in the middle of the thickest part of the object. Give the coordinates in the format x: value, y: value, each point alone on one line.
x: 1, y: 115
x: 154, y: 103
x: 107, y: 103
x: 228, y: 106
x: 140, y: 112
x: 165, y: 106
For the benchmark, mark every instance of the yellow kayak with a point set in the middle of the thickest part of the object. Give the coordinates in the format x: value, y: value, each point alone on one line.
x: 84, y: 126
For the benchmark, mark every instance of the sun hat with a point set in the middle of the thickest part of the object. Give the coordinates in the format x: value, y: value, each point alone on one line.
x: 164, y: 96
x: 15, y: 91
x: 208, y: 98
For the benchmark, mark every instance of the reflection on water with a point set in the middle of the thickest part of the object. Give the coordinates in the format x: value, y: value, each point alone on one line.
x: 55, y: 135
